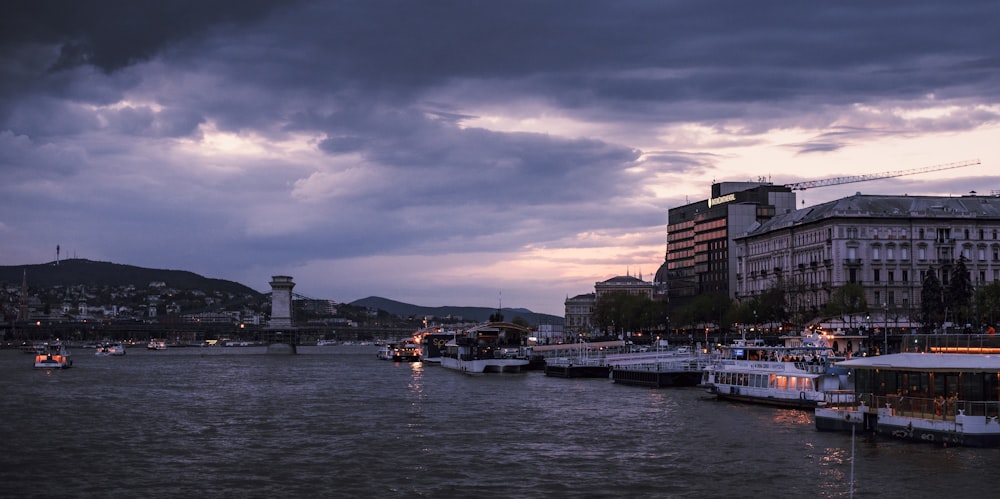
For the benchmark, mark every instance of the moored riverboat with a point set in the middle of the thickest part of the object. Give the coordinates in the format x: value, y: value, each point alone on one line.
x: 385, y: 351
x: 432, y: 343
x: 677, y: 371
x: 947, y: 399
x: 492, y: 347
x: 792, y: 375
x: 577, y: 360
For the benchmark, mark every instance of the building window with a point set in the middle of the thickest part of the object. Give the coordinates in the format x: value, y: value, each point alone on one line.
x: 876, y: 275
x: 904, y: 253
x: 891, y: 275
x: 875, y: 255
x: 922, y: 253
x: 906, y: 276
x: 889, y: 253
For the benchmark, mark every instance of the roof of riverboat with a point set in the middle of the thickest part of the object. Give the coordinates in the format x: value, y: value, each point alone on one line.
x: 927, y: 362
x: 496, y: 326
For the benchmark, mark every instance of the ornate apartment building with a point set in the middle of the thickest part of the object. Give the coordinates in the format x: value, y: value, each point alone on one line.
x: 885, y: 243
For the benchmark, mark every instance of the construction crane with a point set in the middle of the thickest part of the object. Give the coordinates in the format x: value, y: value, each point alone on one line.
x: 801, y: 186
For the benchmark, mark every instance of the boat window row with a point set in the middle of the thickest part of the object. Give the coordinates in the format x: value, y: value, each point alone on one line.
x: 775, y: 381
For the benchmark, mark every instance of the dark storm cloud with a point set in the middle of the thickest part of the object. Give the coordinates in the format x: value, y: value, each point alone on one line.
x: 435, y: 125
x: 113, y: 34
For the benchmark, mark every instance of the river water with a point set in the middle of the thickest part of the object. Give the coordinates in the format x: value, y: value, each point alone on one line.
x: 336, y: 422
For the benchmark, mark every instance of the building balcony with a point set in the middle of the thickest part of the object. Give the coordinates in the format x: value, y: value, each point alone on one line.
x: 852, y: 262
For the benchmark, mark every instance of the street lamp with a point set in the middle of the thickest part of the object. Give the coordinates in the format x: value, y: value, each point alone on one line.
x: 885, y: 331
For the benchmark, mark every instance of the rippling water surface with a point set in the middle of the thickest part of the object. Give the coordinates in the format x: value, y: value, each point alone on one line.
x: 336, y: 422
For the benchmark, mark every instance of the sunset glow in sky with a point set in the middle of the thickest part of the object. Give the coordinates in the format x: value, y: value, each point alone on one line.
x: 440, y: 152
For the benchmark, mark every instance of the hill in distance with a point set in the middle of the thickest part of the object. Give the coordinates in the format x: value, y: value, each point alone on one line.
x: 480, y: 314
x: 78, y: 271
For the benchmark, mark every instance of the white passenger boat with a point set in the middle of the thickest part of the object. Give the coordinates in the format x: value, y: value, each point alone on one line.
x: 948, y: 399
x: 325, y: 343
x: 492, y: 347
x: 385, y: 351
x: 55, y: 356
x: 786, y: 376
x: 110, y: 349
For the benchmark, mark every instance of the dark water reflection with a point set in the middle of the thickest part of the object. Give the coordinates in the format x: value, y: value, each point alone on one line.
x: 336, y: 422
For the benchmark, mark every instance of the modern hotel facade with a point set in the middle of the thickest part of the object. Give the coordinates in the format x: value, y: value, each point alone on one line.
x: 700, y: 236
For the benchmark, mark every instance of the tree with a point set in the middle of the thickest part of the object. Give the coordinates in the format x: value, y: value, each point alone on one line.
x: 987, y: 303
x: 847, y: 301
x: 931, y: 300
x: 958, y: 296
x: 772, y: 306
x: 625, y: 312
x: 706, y: 308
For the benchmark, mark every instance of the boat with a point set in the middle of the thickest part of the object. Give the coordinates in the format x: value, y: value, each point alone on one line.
x: 576, y: 360
x: 432, y: 344
x: 491, y: 347
x: 33, y: 348
x: 325, y: 343
x: 407, y: 351
x: 55, y: 356
x: 110, y: 349
x: 155, y: 344
x: 796, y: 374
x: 385, y: 351
x: 670, y: 368
x: 943, y: 398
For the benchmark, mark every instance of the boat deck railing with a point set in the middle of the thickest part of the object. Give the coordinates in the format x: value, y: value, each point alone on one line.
x: 918, y: 407
x: 691, y: 364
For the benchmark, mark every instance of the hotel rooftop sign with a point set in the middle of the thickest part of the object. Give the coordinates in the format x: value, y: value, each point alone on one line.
x: 721, y: 199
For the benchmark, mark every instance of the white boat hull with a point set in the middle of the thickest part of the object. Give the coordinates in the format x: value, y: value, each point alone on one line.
x: 963, y: 430
x: 482, y: 366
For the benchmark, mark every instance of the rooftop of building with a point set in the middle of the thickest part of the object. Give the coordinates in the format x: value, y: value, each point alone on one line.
x: 904, y: 206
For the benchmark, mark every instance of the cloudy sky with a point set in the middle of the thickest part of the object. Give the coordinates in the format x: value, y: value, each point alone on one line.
x: 450, y: 152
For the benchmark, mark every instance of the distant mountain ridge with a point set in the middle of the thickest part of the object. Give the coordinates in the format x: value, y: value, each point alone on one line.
x: 480, y: 314
x: 76, y: 271
x: 79, y: 271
